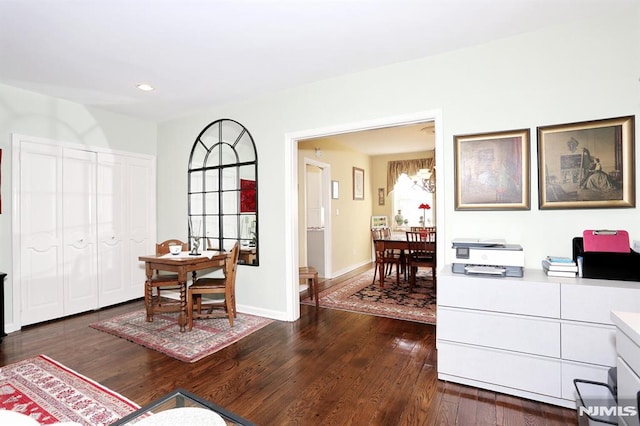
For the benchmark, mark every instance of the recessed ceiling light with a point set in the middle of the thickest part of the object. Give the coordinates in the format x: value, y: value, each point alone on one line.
x: 145, y: 87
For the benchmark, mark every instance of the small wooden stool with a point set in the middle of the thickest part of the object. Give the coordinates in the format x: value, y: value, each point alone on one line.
x: 310, y: 275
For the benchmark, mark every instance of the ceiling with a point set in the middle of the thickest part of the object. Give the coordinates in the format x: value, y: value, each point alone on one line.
x: 389, y: 140
x: 205, y: 53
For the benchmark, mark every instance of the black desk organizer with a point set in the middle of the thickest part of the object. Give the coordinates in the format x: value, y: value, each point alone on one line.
x: 606, y: 265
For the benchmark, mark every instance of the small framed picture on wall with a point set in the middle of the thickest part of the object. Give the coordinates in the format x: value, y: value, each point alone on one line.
x: 381, y: 196
x: 358, y: 183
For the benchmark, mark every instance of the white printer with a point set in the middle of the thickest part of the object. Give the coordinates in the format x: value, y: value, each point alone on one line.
x: 487, y: 257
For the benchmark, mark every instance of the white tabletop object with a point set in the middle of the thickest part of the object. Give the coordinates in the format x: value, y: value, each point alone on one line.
x: 183, y: 416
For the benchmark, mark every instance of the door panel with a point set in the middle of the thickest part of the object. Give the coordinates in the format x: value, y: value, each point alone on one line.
x: 79, y: 228
x: 142, y: 212
x: 41, y: 270
x: 112, y: 254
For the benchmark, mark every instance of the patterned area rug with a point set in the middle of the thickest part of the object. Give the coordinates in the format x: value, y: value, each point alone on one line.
x: 163, y: 334
x: 359, y: 295
x: 49, y: 392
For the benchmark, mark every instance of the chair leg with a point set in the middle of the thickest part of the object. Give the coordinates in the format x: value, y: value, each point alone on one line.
x: 189, y: 311
x: 148, y: 300
x: 233, y: 305
x: 315, y: 289
x: 229, y: 312
x: 412, y: 280
x: 310, y: 287
x: 375, y: 272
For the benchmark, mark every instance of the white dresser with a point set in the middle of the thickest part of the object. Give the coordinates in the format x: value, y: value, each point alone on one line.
x: 628, y: 363
x: 529, y: 336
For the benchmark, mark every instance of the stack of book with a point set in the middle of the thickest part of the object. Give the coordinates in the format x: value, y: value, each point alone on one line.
x: 558, y: 266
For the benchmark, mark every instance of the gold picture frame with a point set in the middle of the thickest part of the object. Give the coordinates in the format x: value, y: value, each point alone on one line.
x: 587, y: 164
x: 492, y: 171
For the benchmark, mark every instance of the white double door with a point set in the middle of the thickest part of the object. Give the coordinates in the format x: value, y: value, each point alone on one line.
x: 83, y: 219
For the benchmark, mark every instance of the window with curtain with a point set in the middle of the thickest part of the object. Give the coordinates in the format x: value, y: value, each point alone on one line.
x: 407, y: 197
x: 409, y: 167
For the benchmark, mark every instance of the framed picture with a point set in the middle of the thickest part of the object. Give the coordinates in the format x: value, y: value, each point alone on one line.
x: 588, y: 164
x: 492, y: 171
x: 381, y: 196
x: 358, y: 184
x: 335, y: 189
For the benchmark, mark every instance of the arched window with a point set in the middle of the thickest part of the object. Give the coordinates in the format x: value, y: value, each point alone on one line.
x: 223, y: 189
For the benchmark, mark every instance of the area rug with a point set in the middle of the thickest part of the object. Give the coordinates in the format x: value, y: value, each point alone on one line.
x: 49, y: 392
x: 357, y: 294
x: 163, y: 334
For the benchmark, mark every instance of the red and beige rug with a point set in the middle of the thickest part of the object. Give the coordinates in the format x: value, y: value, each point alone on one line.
x: 49, y: 392
x: 163, y: 334
x: 357, y: 294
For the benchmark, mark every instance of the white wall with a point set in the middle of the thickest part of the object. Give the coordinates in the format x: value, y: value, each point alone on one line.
x: 32, y: 114
x: 574, y: 72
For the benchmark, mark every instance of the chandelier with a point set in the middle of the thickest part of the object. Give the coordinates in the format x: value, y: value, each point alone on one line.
x: 426, y: 179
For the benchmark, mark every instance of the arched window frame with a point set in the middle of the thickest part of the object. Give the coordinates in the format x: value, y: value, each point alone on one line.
x: 223, y: 188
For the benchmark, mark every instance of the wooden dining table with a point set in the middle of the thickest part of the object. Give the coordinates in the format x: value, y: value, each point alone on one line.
x: 182, y: 264
x: 396, y: 240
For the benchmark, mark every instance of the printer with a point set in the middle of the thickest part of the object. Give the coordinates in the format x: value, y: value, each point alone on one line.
x: 487, y: 257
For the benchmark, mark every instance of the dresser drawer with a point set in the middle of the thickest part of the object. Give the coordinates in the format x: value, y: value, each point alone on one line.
x: 511, y: 369
x: 594, y: 303
x: 538, y: 336
x: 508, y: 295
x: 593, y: 343
x: 629, y: 351
x: 576, y: 370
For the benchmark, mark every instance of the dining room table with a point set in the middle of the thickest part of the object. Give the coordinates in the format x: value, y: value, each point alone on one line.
x: 182, y: 264
x: 397, y: 240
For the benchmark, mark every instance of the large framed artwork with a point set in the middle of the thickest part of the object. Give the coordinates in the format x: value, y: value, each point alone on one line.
x: 587, y: 164
x: 492, y: 171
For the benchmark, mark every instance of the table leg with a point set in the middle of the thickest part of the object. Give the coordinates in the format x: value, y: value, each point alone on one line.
x: 148, y: 305
x: 182, y: 319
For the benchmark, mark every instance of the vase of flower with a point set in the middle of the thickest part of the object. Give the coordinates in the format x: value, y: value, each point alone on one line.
x: 424, y: 207
x: 399, y: 219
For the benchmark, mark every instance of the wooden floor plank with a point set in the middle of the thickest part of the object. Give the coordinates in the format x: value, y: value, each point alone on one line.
x: 328, y: 368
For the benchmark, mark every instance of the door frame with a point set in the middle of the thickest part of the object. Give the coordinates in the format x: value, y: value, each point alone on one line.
x: 291, y: 229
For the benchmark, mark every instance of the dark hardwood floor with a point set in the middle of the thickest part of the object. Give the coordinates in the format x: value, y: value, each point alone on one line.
x: 328, y: 368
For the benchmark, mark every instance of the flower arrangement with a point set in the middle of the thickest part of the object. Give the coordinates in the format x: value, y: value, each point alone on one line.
x: 424, y: 207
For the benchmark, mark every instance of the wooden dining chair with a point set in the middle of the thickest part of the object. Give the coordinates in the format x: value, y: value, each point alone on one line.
x: 384, y: 258
x: 198, y: 309
x: 162, y: 281
x: 422, y: 253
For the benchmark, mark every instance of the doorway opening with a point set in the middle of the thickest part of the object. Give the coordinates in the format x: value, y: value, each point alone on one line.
x: 291, y: 187
x: 317, y: 220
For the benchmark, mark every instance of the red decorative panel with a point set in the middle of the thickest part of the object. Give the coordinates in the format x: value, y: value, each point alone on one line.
x: 247, y: 196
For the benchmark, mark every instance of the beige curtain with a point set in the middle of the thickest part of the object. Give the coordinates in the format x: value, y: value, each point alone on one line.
x: 410, y: 167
